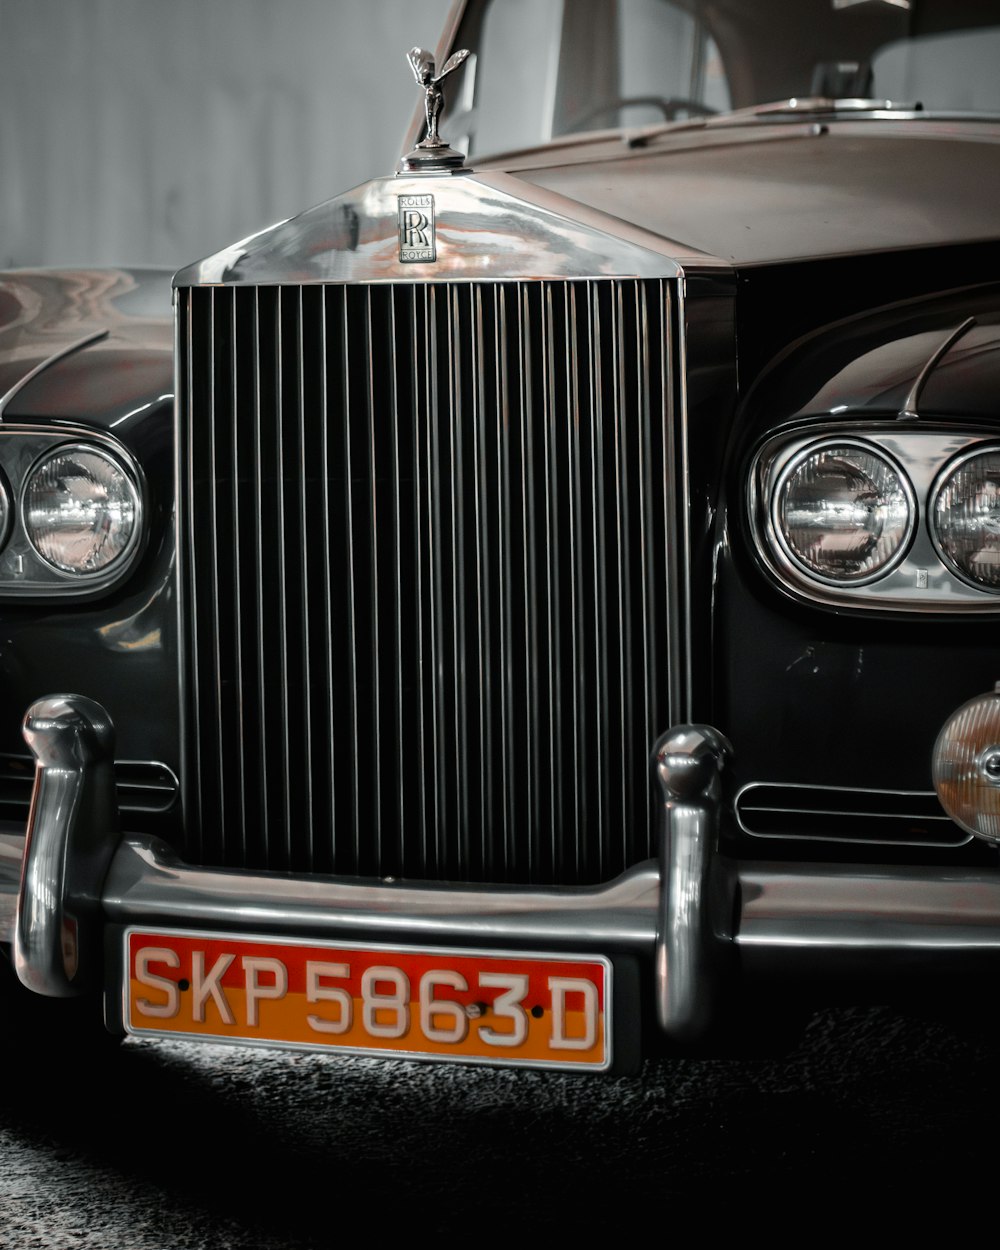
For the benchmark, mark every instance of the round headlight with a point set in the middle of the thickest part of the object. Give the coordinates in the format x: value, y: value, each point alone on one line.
x: 81, y: 510
x: 843, y: 512
x: 966, y: 519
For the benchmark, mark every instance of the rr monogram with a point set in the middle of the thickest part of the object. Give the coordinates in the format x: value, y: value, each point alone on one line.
x: 417, y: 243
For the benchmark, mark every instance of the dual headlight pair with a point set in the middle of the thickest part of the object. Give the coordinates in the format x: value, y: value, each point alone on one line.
x: 79, y: 510
x: 844, y: 512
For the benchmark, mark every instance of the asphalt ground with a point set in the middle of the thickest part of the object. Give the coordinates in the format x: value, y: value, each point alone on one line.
x: 172, y: 1145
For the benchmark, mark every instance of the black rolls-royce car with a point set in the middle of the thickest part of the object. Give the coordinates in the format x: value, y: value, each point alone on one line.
x: 533, y: 607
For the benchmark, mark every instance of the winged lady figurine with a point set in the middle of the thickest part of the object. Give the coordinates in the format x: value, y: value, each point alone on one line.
x: 422, y: 64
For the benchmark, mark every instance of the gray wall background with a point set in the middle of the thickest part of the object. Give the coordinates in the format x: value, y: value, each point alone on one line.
x: 158, y: 131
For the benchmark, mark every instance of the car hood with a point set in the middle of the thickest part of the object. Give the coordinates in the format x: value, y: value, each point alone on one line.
x: 767, y: 192
x: 55, y: 324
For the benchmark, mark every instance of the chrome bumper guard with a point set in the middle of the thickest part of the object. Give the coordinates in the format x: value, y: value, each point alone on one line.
x: 701, y: 920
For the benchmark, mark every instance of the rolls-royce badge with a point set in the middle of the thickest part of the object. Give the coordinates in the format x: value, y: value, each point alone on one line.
x: 416, y: 228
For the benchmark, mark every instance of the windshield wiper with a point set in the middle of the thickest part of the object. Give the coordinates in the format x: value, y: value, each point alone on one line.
x: 827, y: 104
x: 797, y: 106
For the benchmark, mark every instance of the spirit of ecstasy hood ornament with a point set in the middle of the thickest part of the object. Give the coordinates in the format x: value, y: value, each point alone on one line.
x: 432, y: 152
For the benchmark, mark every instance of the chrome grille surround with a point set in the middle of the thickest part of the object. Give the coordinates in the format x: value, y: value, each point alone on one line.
x: 429, y: 540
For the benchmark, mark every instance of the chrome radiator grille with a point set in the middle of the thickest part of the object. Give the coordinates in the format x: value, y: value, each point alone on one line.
x: 425, y: 575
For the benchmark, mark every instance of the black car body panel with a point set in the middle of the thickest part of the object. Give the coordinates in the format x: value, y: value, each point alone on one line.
x: 122, y: 649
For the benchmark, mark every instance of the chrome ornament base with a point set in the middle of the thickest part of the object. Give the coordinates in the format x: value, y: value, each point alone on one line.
x: 428, y: 158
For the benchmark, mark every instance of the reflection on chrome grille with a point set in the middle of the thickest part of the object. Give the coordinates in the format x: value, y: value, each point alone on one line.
x: 425, y: 575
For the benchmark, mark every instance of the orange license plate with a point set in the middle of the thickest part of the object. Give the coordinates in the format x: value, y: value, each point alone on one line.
x: 419, y: 1003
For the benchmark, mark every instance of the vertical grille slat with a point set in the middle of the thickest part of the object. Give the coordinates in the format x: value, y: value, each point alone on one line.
x: 400, y: 743
x: 417, y: 552
x: 438, y: 676
x: 264, y: 827
x: 603, y: 658
x: 374, y: 598
x: 650, y: 649
x: 306, y: 509
x: 284, y: 727
x: 211, y: 489
x: 347, y: 560
x: 574, y: 445
x: 529, y: 607
x: 509, y: 774
x: 188, y: 461
x: 484, y: 650
x: 426, y: 575
x: 326, y: 641
x: 236, y: 553
x: 550, y: 492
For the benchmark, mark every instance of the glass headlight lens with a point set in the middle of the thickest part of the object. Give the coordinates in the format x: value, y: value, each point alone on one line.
x: 966, y: 767
x: 81, y: 510
x: 967, y: 519
x: 844, y: 512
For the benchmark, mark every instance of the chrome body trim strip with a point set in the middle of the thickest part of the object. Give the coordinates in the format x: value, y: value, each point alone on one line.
x: 853, y: 913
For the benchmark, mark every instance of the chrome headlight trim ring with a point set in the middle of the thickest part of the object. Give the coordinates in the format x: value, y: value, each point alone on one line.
x: 781, y: 548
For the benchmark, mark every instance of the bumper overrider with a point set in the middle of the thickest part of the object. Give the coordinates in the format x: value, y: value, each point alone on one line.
x: 684, y: 933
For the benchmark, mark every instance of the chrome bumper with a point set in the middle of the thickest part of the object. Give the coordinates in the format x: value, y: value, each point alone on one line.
x: 700, y: 920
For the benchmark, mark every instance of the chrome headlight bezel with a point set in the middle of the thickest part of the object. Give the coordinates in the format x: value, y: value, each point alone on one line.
x: 919, y: 580
x: 24, y: 572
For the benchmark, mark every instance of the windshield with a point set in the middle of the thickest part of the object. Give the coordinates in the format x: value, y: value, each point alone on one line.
x: 544, y: 68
